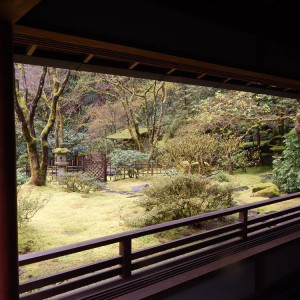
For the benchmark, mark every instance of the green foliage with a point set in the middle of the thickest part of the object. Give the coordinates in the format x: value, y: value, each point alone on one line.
x: 221, y: 177
x: 22, y: 160
x: 80, y: 182
x: 276, y: 140
x: 240, y: 160
x: 21, y: 177
x: 171, y: 172
x: 179, y: 197
x: 29, y: 205
x: 193, y: 153
x: 286, y: 173
x: 131, y: 160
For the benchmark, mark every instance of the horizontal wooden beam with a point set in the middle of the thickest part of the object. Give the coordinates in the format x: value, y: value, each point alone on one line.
x: 69, y: 43
x: 115, y: 70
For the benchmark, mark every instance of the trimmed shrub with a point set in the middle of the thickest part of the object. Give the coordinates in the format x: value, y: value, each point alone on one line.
x: 81, y: 182
x: 179, y: 197
x: 221, y: 177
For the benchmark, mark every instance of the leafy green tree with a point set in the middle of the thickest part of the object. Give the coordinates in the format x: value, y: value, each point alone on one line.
x: 286, y: 173
x: 131, y: 160
x: 229, y: 149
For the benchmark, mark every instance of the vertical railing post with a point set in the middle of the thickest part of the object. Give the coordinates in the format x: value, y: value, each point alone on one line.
x: 125, y: 252
x: 243, y: 218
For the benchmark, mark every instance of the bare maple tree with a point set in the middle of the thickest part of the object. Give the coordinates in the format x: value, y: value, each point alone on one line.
x: 26, y: 104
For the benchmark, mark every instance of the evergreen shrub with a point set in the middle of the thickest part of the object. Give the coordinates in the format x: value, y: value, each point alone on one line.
x: 179, y: 197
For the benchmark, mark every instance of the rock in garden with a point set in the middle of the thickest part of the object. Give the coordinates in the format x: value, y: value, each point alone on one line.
x: 139, y: 187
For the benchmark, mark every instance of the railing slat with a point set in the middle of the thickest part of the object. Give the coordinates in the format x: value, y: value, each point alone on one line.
x: 183, y: 241
x: 69, y: 274
x: 273, y: 215
x: 72, y: 285
x: 184, y: 250
x: 273, y: 222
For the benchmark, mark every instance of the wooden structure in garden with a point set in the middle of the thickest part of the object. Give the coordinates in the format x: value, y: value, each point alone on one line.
x: 124, y: 136
x: 95, y: 165
x: 238, y: 45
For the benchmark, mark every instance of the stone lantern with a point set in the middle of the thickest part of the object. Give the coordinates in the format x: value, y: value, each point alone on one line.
x: 61, y: 162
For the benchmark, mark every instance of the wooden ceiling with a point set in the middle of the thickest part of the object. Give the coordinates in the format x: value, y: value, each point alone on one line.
x: 240, y: 46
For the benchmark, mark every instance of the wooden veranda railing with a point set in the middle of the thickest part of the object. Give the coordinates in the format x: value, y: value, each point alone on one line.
x: 128, y: 262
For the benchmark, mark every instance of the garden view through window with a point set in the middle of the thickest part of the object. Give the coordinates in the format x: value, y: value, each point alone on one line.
x: 101, y: 154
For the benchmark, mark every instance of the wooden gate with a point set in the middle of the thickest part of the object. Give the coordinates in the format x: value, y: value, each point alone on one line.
x: 95, y: 165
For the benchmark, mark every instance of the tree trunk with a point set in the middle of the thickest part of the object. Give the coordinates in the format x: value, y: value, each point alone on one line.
x: 281, y: 127
x: 297, y: 126
x: 61, y: 127
x: 56, y: 133
x: 38, y: 168
x: 34, y: 161
x: 258, y: 144
x: 230, y: 168
x: 258, y: 137
x: 190, y: 168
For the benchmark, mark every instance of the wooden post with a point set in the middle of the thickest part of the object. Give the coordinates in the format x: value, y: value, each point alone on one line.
x: 243, y: 218
x: 151, y: 168
x: 259, y: 273
x: 104, y: 160
x: 9, y: 278
x: 125, y: 252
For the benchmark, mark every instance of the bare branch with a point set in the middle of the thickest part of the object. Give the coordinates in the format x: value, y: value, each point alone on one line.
x: 36, y: 100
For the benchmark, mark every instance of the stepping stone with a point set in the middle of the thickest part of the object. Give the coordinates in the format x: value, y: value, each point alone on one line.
x: 242, y: 188
x: 267, y: 176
